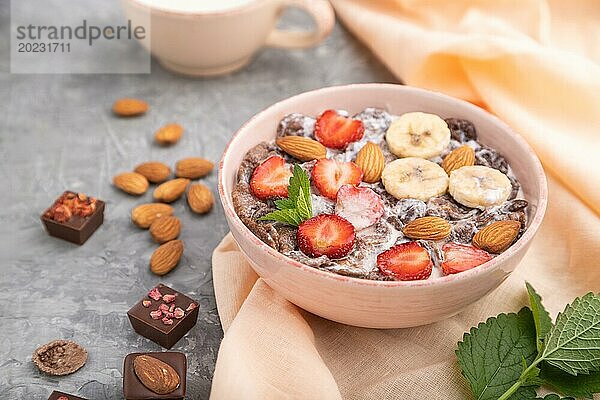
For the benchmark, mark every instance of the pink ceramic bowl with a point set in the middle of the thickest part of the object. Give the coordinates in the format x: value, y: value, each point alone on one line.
x: 379, y: 304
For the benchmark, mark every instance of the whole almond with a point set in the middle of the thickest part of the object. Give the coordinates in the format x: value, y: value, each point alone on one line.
x: 154, y: 171
x: 165, y: 229
x: 463, y: 156
x: 371, y: 161
x: 129, y: 107
x: 131, y: 182
x: 166, y: 257
x: 145, y: 214
x: 193, y: 168
x: 427, y: 228
x: 200, y: 198
x: 497, y: 236
x: 302, y: 148
x: 168, y: 134
x: 170, y: 190
x: 156, y: 375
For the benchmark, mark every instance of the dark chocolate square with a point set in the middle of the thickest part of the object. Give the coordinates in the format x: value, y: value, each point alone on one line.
x: 134, y: 389
x: 56, y: 395
x: 77, y: 229
x: 155, y: 329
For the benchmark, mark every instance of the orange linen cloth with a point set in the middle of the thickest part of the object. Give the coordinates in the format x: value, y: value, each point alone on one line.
x: 534, y: 63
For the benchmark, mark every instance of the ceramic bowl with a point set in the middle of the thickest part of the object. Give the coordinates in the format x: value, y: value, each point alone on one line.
x: 382, y: 304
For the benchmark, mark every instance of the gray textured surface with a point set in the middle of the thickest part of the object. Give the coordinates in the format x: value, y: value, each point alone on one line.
x: 56, y: 133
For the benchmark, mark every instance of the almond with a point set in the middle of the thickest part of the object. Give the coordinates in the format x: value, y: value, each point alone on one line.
x: 129, y: 107
x: 165, y: 228
x: 166, y: 257
x: 463, y: 156
x: 371, y: 161
x: 427, y: 228
x: 154, y: 171
x: 193, y: 168
x: 168, y: 134
x: 302, y: 148
x: 497, y: 236
x: 145, y: 214
x: 131, y: 182
x: 170, y: 190
x: 156, y: 375
x: 200, y: 198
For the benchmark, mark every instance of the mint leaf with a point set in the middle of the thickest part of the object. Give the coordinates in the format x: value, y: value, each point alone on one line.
x: 573, y: 344
x: 298, y: 206
x: 577, y: 386
x: 288, y: 216
x: 553, y: 397
x: 490, y: 355
x: 541, y: 318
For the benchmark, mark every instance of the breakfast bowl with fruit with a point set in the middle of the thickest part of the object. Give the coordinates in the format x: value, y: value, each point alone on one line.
x: 381, y: 205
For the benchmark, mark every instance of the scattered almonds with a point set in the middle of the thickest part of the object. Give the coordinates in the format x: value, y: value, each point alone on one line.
x: 128, y: 107
x: 302, y: 148
x: 497, y: 236
x: 131, y: 182
x: 200, y: 198
x: 171, y: 190
x: 168, y: 134
x: 193, y: 168
x: 144, y: 215
x: 371, y: 161
x: 165, y: 229
x: 166, y: 257
x: 154, y: 171
x: 427, y: 228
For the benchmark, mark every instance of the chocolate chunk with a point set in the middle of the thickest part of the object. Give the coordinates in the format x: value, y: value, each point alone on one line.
x: 461, y: 129
x: 56, y: 395
x: 73, y: 217
x: 165, y: 320
x: 490, y: 158
x: 296, y: 125
x: 134, y: 388
x: 60, y: 357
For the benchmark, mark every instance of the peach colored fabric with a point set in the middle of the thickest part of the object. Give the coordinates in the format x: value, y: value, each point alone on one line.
x: 535, y: 64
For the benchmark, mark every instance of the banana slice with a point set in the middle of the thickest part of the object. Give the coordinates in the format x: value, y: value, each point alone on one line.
x: 414, y: 178
x: 479, y: 187
x: 418, y: 134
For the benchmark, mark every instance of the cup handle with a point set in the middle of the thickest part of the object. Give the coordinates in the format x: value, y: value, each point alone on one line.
x: 322, y: 13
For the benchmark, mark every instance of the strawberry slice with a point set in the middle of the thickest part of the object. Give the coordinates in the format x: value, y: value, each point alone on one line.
x: 329, y: 175
x: 361, y: 206
x: 326, y: 235
x: 405, y: 262
x: 271, y: 179
x: 461, y: 257
x: 336, y: 131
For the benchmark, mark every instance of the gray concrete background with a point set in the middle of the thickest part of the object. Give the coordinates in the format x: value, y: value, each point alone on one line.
x: 57, y: 133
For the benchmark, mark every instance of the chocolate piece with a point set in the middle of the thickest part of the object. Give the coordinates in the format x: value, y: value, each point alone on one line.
x: 60, y: 357
x: 170, y: 316
x: 134, y: 389
x: 56, y: 395
x: 73, y: 217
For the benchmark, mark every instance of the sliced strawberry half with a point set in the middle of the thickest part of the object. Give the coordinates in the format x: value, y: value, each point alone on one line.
x: 336, y: 131
x: 461, y: 257
x: 361, y: 206
x: 329, y: 175
x: 405, y: 262
x: 270, y: 179
x: 326, y: 235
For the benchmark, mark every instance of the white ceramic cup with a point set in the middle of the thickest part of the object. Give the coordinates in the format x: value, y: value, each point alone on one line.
x: 205, y: 43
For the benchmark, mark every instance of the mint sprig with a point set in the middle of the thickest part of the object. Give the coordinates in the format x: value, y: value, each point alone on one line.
x: 509, y: 356
x: 298, y: 205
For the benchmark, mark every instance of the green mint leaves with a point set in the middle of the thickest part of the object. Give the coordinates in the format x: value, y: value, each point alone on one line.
x: 298, y: 206
x: 510, y: 355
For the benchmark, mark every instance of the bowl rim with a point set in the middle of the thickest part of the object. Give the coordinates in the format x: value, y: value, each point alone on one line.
x: 521, y: 243
x: 166, y: 11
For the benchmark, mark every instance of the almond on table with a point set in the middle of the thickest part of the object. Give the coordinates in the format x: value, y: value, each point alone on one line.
x: 200, y: 198
x: 129, y: 107
x: 145, y: 214
x: 168, y: 134
x: 171, y: 190
x: 165, y: 229
x: 193, y: 168
x: 166, y: 257
x: 154, y: 171
x: 131, y: 182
